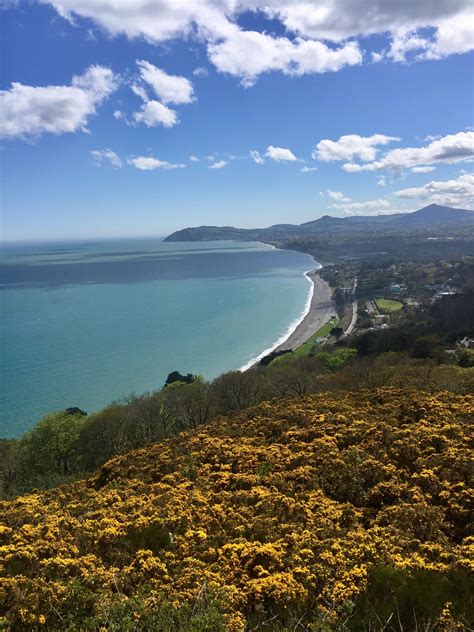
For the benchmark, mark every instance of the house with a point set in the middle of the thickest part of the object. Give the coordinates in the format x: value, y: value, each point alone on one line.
x: 347, y: 292
x: 465, y: 343
x: 444, y: 292
x: 396, y: 288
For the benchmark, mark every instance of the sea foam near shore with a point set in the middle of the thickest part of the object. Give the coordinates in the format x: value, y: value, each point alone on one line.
x: 292, y: 327
x: 86, y: 323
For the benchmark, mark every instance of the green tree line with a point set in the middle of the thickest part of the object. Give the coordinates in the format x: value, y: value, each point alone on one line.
x: 411, y: 353
x: 69, y: 444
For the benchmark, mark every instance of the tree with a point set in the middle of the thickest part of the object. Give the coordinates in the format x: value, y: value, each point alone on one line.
x: 235, y: 390
x: 74, y: 410
x: 336, y: 332
x: 176, y: 376
x: 49, y: 446
x: 291, y: 380
x: 194, y: 404
x: 427, y: 347
x: 466, y: 358
x: 9, y: 465
x: 335, y: 360
x: 102, y: 436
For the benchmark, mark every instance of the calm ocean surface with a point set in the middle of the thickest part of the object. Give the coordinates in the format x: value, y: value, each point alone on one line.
x: 83, y: 324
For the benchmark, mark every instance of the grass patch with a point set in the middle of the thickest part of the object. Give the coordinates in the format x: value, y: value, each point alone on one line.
x: 305, y: 348
x: 387, y: 305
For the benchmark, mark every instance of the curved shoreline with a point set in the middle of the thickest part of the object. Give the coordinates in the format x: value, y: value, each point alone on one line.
x: 320, y: 311
x: 317, y: 312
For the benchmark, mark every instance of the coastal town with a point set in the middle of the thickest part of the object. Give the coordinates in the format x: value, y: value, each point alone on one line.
x: 354, y: 298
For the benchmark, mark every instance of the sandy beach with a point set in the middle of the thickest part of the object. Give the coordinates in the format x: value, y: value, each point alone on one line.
x: 320, y: 311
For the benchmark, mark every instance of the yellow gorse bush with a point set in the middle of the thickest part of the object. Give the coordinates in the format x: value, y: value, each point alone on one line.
x: 289, y: 503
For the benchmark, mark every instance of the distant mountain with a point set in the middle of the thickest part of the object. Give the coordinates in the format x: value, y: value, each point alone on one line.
x: 433, y: 215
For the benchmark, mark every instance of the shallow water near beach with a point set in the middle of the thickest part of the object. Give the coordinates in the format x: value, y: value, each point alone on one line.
x: 83, y: 324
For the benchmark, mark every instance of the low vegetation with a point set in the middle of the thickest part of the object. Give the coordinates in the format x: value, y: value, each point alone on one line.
x: 295, y: 510
x: 68, y: 445
x: 309, y: 346
x: 412, y: 352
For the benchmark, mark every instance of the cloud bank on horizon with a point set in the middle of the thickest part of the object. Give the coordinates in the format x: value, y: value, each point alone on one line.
x: 246, y: 42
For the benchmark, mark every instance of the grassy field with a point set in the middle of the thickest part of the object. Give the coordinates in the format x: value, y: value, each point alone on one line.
x: 309, y: 344
x: 387, y: 305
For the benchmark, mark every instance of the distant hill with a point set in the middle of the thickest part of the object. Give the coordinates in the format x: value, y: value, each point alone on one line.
x: 433, y: 215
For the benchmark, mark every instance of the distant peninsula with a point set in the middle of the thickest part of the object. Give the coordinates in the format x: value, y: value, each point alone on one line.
x: 433, y: 215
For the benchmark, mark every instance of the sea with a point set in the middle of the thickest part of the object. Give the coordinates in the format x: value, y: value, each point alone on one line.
x: 87, y: 323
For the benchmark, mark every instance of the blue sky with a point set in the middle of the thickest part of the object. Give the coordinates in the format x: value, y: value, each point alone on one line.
x: 126, y: 117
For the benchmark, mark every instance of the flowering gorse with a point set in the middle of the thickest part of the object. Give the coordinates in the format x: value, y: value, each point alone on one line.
x: 287, y: 505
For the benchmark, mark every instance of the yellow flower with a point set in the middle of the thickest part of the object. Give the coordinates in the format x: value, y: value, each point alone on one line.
x: 356, y: 481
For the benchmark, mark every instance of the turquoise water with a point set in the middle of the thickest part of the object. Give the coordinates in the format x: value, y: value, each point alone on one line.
x: 83, y: 324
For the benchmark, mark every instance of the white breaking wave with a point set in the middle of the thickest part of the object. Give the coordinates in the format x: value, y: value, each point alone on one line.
x: 293, y: 325
x: 271, y: 246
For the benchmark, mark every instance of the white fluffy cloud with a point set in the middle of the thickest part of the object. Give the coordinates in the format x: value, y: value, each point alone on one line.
x: 374, y: 208
x: 155, y: 21
x: 219, y: 164
x: 334, y: 20
x: 106, y: 155
x: 308, y: 169
x: 448, y: 149
x: 245, y: 54
x: 405, y: 42
x: 428, y: 30
x: 377, y: 204
x: 154, y: 113
x: 351, y: 146
x: 257, y: 157
x: 248, y: 54
x: 337, y: 20
x: 337, y: 195
x: 457, y: 192
x: 422, y: 169
x: 29, y: 111
x: 370, y: 207
x: 453, y: 35
x: 446, y: 28
x: 280, y: 154
x: 168, y: 88
x: 148, y: 163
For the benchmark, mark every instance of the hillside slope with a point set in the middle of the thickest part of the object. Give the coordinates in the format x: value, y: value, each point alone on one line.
x: 430, y: 216
x: 318, y: 508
